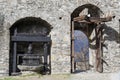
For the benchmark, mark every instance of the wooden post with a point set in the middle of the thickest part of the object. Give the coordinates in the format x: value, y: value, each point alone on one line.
x: 97, y: 49
x: 100, y: 69
x: 72, y: 55
x: 14, y: 54
x: 99, y: 64
x: 49, y: 52
x: 45, y: 56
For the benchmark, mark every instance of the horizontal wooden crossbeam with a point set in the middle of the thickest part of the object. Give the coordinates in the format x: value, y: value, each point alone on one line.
x: 86, y: 19
x: 30, y: 39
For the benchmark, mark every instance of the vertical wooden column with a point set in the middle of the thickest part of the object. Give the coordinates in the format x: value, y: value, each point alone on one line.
x: 99, y: 64
x: 14, y: 54
x: 97, y: 48
x: 72, y: 55
x: 100, y: 68
x: 45, y: 56
x: 49, y: 52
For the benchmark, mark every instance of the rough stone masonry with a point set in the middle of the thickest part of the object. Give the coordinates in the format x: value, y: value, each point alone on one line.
x: 57, y: 13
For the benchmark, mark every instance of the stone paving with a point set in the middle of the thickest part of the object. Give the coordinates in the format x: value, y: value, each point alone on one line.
x: 57, y: 13
x: 77, y: 76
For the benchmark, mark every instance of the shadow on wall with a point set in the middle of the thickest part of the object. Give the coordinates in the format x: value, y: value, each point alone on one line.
x: 111, y: 34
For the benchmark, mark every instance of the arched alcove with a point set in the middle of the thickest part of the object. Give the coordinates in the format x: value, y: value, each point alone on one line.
x: 31, y: 25
x: 30, y: 43
x: 84, y: 11
x: 92, y: 10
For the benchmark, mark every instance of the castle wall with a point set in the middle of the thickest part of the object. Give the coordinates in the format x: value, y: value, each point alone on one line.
x: 57, y: 13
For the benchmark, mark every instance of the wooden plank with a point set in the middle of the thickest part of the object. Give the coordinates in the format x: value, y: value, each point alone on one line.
x: 14, y: 54
x: 72, y: 55
x: 30, y: 38
x: 97, y: 49
x: 80, y: 18
x: 49, y: 56
x: 45, y: 57
x: 93, y: 19
x: 100, y: 67
x: 30, y: 55
x: 99, y: 54
x: 45, y: 53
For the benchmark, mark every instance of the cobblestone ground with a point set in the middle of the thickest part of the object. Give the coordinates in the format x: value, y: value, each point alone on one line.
x: 78, y: 76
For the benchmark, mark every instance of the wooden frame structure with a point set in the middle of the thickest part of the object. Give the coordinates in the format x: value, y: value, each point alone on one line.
x: 17, y: 37
x: 98, y: 38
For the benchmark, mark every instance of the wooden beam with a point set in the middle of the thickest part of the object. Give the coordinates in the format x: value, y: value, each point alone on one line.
x: 86, y: 19
x: 72, y: 55
x: 30, y: 39
x: 99, y: 54
x: 14, y: 54
x: 100, y: 65
x: 45, y: 56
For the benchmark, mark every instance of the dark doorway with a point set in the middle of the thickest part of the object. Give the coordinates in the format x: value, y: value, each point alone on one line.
x: 30, y: 44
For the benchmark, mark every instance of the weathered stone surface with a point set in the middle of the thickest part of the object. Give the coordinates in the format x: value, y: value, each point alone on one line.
x: 57, y: 13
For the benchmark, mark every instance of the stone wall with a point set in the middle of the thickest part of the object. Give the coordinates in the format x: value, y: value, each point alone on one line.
x: 57, y: 13
x: 4, y: 53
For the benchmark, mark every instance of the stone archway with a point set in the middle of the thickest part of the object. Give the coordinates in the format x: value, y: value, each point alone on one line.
x: 30, y: 45
x: 85, y: 11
